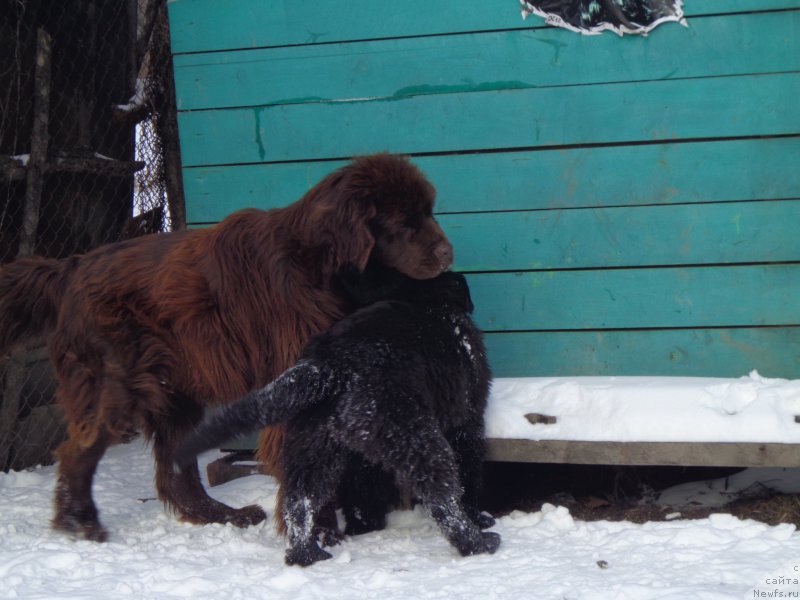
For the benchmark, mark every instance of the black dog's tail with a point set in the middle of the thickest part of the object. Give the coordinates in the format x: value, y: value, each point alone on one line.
x: 296, y: 389
x: 31, y: 290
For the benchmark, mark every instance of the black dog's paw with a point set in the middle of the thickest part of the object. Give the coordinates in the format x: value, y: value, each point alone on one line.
x: 491, y: 541
x: 306, y: 555
x: 483, y: 520
x: 328, y: 536
x: 362, y: 525
x: 487, y: 543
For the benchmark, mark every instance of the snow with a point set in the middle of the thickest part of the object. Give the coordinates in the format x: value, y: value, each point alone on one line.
x: 719, y: 492
x: 543, y: 555
x: 136, y: 101
x: 647, y: 409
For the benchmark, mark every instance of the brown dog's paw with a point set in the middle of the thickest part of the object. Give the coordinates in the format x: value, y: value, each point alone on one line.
x: 247, y: 515
x: 240, y: 517
x: 92, y: 531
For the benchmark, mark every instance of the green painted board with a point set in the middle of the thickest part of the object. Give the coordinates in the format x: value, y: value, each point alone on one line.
x: 774, y: 352
x: 758, y: 105
x: 203, y: 25
x: 211, y: 25
x: 728, y: 170
x: 396, y: 68
x: 667, y: 297
x: 723, y: 233
x: 687, y: 234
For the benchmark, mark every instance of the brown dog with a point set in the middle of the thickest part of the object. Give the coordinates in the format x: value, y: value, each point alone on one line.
x: 144, y: 333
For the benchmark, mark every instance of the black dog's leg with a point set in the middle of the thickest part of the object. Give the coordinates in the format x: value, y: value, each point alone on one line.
x: 428, y: 464
x: 299, y: 513
x: 470, y: 448
x: 459, y: 529
x: 312, y: 470
x: 366, y: 493
x: 326, y: 526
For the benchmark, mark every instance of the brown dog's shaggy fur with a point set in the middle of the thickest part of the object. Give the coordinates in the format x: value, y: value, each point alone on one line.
x: 144, y: 333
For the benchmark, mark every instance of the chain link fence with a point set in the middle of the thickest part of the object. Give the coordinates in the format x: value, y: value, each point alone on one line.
x: 88, y: 155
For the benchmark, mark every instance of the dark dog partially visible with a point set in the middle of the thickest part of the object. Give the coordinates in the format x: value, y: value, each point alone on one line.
x: 144, y: 333
x: 401, y: 384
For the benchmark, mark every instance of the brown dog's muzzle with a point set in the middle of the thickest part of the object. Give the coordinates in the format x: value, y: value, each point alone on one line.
x: 443, y: 251
x: 435, y: 252
x: 421, y: 253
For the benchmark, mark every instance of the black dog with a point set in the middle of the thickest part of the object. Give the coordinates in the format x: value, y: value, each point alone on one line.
x: 400, y: 384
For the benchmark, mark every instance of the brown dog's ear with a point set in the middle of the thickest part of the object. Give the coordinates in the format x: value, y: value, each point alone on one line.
x: 337, y: 219
x: 351, y: 239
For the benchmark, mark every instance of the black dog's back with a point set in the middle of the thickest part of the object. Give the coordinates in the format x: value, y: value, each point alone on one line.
x: 400, y: 384
x: 407, y: 329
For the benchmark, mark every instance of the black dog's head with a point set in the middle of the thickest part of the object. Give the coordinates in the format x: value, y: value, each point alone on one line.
x: 449, y: 290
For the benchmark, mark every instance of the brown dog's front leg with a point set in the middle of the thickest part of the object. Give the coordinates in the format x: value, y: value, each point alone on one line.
x: 75, y: 511
x: 182, y: 491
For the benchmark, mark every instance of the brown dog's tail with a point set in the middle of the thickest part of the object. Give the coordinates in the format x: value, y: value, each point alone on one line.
x: 31, y: 290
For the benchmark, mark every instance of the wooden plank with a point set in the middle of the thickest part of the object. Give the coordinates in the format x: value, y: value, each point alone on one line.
x: 397, y: 68
x: 665, y: 174
x: 234, y: 466
x: 685, y: 454
x: 632, y: 298
x: 622, y: 237
x: 723, y: 352
x: 759, y: 105
x: 210, y: 25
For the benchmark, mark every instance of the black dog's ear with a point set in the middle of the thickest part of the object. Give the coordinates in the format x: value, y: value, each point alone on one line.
x: 351, y: 282
x: 470, y: 307
x: 448, y: 289
x: 374, y: 284
x: 458, y: 291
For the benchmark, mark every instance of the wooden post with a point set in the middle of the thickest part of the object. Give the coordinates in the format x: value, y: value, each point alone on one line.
x: 15, y: 368
x: 167, y: 124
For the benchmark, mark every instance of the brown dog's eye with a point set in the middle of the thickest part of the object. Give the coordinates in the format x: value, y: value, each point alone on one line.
x: 376, y: 229
x: 413, y: 223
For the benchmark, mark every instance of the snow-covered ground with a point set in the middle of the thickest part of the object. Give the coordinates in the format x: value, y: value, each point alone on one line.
x: 544, y: 555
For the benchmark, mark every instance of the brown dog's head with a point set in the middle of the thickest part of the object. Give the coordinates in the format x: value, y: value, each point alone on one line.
x: 380, y: 208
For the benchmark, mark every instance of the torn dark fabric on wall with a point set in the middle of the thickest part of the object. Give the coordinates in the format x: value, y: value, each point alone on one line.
x: 597, y: 16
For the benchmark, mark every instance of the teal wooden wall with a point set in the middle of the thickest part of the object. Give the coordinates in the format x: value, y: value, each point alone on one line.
x: 622, y: 206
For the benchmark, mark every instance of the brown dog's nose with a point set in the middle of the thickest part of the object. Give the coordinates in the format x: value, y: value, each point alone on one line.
x: 444, y: 254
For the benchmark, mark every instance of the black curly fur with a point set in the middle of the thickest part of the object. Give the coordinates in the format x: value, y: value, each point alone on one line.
x: 398, y: 387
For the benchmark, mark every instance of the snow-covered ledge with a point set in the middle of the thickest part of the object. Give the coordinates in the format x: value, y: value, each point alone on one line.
x: 750, y: 421
x: 683, y: 421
